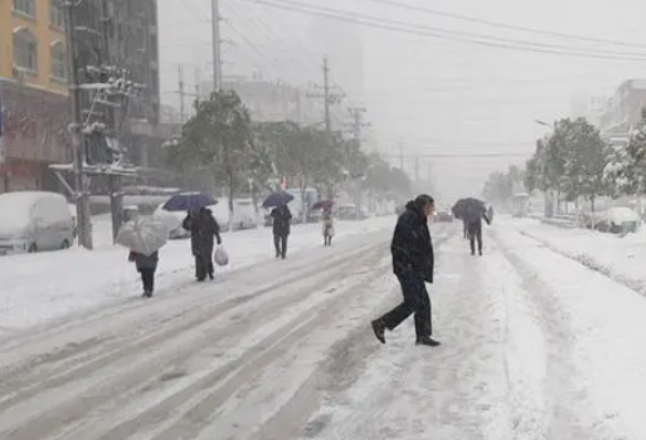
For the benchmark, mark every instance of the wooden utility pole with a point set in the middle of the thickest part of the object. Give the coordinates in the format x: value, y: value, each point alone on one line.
x: 182, y: 94
x: 329, y: 98
x: 75, y: 129
x: 217, y: 58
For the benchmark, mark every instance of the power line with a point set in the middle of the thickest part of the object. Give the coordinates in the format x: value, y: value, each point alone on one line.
x: 451, y: 155
x: 264, y: 26
x: 505, y: 25
x: 462, y: 37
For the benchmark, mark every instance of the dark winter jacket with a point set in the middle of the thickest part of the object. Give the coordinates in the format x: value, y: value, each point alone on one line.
x: 411, y: 247
x: 282, y: 218
x: 203, y: 227
x: 474, y: 214
x: 144, y: 261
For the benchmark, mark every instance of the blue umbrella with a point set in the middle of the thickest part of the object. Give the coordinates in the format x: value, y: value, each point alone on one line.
x: 277, y: 199
x: 188, y: 201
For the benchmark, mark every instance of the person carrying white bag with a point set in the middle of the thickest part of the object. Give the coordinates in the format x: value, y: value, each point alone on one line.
x: 221, y: 257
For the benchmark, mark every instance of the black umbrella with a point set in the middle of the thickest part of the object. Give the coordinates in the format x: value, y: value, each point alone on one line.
x: 277, y: 199
x: 469, y: 208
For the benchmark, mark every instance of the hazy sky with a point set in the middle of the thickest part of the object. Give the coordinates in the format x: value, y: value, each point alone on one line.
x: 439, y: 96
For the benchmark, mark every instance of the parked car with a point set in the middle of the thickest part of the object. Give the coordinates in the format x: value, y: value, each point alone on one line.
x: 443, y: 216
x: 33, y: 221
x: 173, y: 220
x: 617, y: 220
x: 350, y: 211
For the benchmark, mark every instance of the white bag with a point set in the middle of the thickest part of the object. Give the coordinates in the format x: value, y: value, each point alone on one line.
x: 221, y: 257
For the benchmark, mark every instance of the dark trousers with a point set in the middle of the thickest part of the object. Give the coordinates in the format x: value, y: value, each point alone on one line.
x: 416, y: 301
x: 148, y: 279
x: 203, y: 267
x: 280, y: 243
x: 465, y: 230
x: 475, y: 234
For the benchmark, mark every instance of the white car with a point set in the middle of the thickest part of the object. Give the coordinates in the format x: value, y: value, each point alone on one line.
x: 33, y: 221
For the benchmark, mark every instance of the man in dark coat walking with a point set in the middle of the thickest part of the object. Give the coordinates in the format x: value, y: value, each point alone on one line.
x: 473, y: 218
x: 204, y: 228
x: 413, y: 261
x: 282, y: 218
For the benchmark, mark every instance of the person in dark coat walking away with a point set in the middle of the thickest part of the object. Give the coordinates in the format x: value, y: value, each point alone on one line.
x: 473, y: 218
x: 203, y: 227
x: 413, y: 264
x: 282, y: 218
x: 146, y: 266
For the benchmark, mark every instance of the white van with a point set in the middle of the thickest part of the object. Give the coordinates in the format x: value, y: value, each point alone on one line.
x: 33, y: 221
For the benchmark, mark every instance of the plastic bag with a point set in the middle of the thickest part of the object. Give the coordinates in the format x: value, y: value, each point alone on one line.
x: 221, y: 257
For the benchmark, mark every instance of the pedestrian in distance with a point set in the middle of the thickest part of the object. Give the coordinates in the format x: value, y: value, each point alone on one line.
x: 281, y: 220
x: 413, y: 264
x: 473, y: 219
x: 146, y: 266
x: 328, y: 227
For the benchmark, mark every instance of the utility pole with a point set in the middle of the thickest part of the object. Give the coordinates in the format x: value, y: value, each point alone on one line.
x: 328, y: 96
x: 356, y: 125
x: 181, y: 92
x: 115, y: 181
x: 196, y: 75
x: 217, y: 59
x: 401, y: 154
x: 78, y: 142
x: 416, y: 168
x: 326, y: 91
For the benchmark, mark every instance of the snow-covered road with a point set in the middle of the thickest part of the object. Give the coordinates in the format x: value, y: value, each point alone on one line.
x: 536, y: 346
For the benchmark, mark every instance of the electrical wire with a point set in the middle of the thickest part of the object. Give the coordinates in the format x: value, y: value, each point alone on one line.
x: 462, y: 37
x: 505, y: 25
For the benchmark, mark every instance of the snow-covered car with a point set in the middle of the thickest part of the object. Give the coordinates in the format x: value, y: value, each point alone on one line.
x: 33, y: 221
x: 443, y: 216
x: 617, y: 220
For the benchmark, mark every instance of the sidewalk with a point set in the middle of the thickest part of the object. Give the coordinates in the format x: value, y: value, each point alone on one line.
x: 621, y: 258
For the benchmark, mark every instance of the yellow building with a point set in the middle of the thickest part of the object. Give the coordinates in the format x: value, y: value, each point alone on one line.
x: 32, y: 43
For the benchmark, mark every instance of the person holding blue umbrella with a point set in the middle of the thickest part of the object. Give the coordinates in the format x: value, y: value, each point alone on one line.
x: 282, y: 218
x: 203, y: 227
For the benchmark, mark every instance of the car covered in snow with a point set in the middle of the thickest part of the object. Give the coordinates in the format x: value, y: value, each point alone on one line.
x: 443, y: 216
x: 33, y: 221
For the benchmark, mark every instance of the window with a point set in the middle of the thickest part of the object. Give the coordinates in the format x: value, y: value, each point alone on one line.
x: 57, y: 13
x: 25, y: 50
x: 26, y: 7
x: 59, y: 61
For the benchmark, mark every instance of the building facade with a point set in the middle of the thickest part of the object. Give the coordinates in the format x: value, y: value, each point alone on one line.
x: 33, y: 80
x: 589, y: 107
x: 33, y: 92
x: 272, y: 101
x: 623, y: 110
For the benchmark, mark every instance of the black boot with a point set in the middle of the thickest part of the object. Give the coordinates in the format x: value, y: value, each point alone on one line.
x: 427, y: 341
x: 379, y: 328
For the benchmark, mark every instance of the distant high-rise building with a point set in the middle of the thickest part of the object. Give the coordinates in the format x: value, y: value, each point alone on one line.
x: 588, y: 107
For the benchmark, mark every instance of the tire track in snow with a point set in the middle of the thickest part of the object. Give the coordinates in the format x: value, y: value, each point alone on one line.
x: 571, y: 414
x: 118, y: 335
x: 76, y: 407
x: 415, y: 392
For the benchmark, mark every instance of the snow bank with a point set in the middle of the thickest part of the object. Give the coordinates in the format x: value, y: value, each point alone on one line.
x: 621, y: 258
